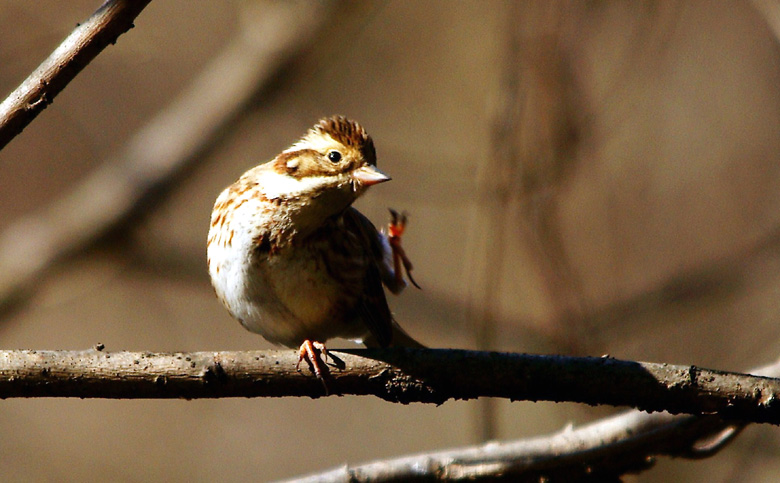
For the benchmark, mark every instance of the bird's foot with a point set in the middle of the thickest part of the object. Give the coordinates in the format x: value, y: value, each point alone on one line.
x: 394, y: 232
x: 315, y: 354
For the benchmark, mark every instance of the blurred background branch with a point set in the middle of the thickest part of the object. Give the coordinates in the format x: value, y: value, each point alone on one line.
x: 157, y: 155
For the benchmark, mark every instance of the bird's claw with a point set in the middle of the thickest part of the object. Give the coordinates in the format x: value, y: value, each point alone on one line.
x: 314, y: 353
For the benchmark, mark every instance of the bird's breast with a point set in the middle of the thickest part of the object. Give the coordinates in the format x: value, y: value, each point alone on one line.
x: 279, y: 287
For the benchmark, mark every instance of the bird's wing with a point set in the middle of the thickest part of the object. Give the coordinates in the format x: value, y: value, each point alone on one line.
x: 372, y: 307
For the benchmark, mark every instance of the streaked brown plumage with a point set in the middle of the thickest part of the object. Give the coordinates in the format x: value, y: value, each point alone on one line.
x: 293, y: 261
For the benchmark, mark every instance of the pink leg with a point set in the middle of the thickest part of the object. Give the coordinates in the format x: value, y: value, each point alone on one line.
x: 394, y: 232
x: 315, y: 354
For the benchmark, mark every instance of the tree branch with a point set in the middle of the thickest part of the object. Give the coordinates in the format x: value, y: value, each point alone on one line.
x: 398, y: 375
x: 600, y: 451
x: 104, y: 27
x: 170, y: 142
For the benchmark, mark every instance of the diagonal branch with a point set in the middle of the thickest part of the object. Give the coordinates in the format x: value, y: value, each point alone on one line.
x: 111, y: 20
x: 600, y: 451
x: 163, y: 149
x: 398, y: 375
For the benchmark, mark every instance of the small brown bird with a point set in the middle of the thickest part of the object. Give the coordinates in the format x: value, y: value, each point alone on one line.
x: 294, y: 262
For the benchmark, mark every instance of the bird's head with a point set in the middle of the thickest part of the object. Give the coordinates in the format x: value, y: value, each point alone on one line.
x: 326, y: 170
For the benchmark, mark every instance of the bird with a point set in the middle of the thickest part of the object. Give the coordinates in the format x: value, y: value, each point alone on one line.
x: 292, y: 260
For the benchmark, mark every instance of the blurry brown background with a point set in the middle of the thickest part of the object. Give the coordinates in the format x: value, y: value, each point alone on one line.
x: 582, y: 178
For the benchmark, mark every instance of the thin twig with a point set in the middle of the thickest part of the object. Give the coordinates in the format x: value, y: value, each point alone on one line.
x: 170, y: 143
x: 398, y: 375
x: 103, y: 28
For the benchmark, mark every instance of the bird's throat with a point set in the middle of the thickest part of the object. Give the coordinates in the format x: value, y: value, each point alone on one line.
x: 308, y: 214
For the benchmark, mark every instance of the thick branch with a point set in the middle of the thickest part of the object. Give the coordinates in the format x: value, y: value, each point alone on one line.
x: 399, y: 375
x: 111, y: 20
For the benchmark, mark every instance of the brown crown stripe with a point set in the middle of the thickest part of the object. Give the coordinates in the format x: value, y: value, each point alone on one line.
x: 348, y: 133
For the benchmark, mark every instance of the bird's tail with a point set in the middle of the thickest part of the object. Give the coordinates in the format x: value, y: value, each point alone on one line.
x: 400, y: 339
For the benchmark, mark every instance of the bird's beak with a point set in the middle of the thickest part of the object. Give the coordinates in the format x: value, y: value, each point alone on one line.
x: 368, y: 175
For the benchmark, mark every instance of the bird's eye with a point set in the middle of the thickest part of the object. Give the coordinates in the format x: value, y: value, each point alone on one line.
x: 334, y: 156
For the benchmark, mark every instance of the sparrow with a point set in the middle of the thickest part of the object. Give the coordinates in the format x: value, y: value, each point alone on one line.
x: 293, y: 261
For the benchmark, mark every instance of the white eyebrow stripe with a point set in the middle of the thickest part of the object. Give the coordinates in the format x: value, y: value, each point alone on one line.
x: 321, y: 143
x: 282, y: 186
